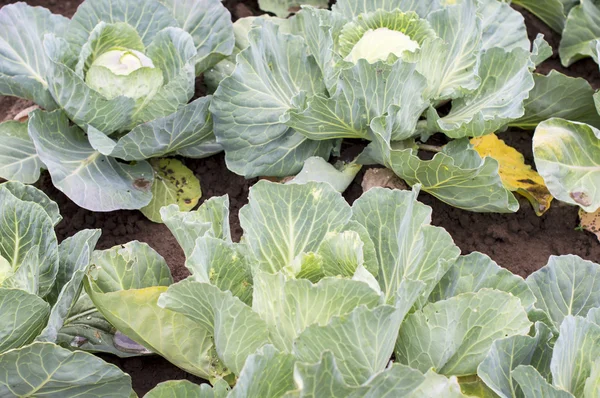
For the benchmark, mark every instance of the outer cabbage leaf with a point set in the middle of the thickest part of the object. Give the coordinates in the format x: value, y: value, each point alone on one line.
x: 567, y: 285
x: 339, y: 175
x: 552, y: 12
x: 282, y: 221
x: 352, y: 8
x: 18, y: 159
x: 92, y: 180
x: 558, y: 95
x: 24, y: 64
x: 403, y: 239
x: 534, y: 385
x: 592, y: 384
x: 567, y: 156
x: 187, y: 389
x: 581, y: 30
x: 283, y: 8
x: 504, y: 27
x: 248, y: 108
x: 22, y: 317
x: 454, y: 335
x: 59, y: 372
x: 29, y: 193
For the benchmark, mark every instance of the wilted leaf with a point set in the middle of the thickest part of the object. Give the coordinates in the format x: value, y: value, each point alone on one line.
x: 590, y: 221
x: 174, y: 183
x: 515, y: 174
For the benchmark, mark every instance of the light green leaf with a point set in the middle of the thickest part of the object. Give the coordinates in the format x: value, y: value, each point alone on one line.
x: 341, y: 254
x: 594, y: 315
x: 403, y: 239
x: 266, y: 374
x: 223, y: 264
x: 506, y: 82
x: 361, y: 342
x: 436, y: 385
x: 148, y: 18
x: 339, y: 175
x: 507, y: 354
x: 540, y: 51
x: 84, y: 105
x: 552, y: 12
x: 283, y: 8
x: 181, y: 389
x: 558, y: 95
x: 24, y: 64
x: 363, y: 91
x: 18, y: 159
x: 28, y: 193
x: 44, y: 369
x: 534, y: 385
x: 282, y: 221
x: 141, y: 85
x: 581, y: 29
x: 454, y: 335
x: 576, y: 349
x: 22, y: 317
x: 271, y: 77
x: 28, y: 243
x: 209, y: 24
x: 477, y: 271
x: 567, y: 285
x: 290, y: 306
x: 503, y: 27
x: 173, y: 184
x: 592, y: 384
x: 352, y: 8
x: 90, y: 179
x: 235, y: 330
x: 567, y: 156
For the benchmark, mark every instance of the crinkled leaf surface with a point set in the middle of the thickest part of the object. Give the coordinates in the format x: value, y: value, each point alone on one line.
x: 44, y: 369
x: 454, y: 335
x: 567, y: 155
x: 18, y: 159
x: 567, y: 285
x: 581, y: 29
x: 282, y: 221
x: 249, y: 105
x: 92, y: 180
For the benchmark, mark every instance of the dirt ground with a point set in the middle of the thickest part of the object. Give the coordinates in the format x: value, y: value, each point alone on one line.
x: 521, y: 242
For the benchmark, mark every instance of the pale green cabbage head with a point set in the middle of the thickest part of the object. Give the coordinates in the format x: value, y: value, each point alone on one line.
x: 379, y: 44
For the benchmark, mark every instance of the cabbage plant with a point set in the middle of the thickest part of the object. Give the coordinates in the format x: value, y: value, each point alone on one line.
x: 42, y: 308
x: 114, y: 83
x: 390, y: 72
x: 318, y: 295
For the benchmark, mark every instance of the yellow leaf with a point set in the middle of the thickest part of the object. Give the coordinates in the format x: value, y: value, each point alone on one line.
x: 515, y: 174
x: 590, y: 222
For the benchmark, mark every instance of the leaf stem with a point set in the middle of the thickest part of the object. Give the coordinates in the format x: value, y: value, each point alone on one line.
x: 430, y: 148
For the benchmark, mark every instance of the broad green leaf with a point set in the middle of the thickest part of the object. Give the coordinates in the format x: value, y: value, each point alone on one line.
x: 567, y: 156
x: 567, y: 285
x: 450, y: 62
x: 506, y: 82
x: 581, y: 29
x: 84, y: 105
x: 173, y: 184
x: 592, y: 384
x: 189, y: 126
x: 223, y: 264
x: 342, y: 254
x: 457, y: 175
x: 339, y: 175
x: 576, y: 349
x: 282, y: 221
x: 105, y: 37
x: 534, y: 385
x: 18, y: 159
x: 540, y: 51
x: 267, y: 374
x: 231, y: 326
x: 29, y: 193
x: 552, y: 12
x: 148, y: 18
x: 558, y: 95
x: 361, y: 341
x: 28, y: 243
x: 172, y: 335
x: 209, y: 24
x: 363, y: 91
x: 453, y: 336
x: 594, y: 315
x: 352, y: 8
x: 507, y: 354
x: 44, y: 369
x: 503, y: 27
x: 403, y: 239
x: 24, y: 64
x: 290, y: 306
x: 187, y: 389
x: 22, y: 317
x: 436, y: 385
x: 90, y: 179
x: 283, y: 8
x: 477, y: 271
x: 271, y: 77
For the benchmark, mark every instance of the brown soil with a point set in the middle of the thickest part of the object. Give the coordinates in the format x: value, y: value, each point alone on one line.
x: 521, y: 242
